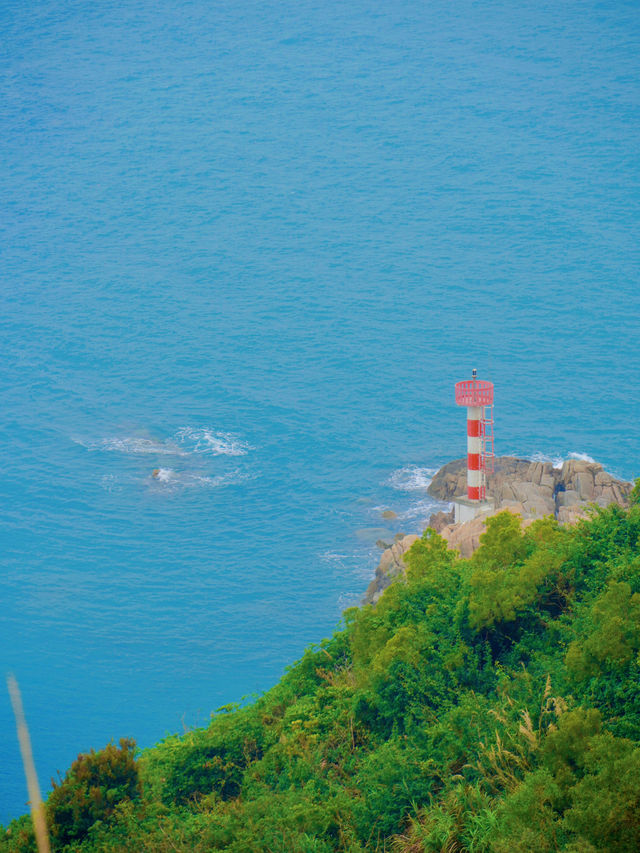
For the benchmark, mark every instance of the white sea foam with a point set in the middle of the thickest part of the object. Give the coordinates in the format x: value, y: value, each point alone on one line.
x: 136, y: 445
x: 420, y: 509
x: 171, y: 479
x: 411, y: 478
x: 212, y: 442
x: 164, y: 475
x: 356, y: 569
x: 333, y: 557
x: 110, y: 483
x: 584, y: 457
x: 228, y: 479
x: 557, y: 460
x: 187, y: 440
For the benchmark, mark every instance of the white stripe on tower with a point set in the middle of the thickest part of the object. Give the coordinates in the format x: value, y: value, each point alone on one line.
x: 474, y: 452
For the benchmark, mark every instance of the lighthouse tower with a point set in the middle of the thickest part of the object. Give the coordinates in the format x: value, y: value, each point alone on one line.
x: 477, y: 396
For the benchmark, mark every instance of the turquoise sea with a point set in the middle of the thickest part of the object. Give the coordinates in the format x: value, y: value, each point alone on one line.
x: 253, y: 246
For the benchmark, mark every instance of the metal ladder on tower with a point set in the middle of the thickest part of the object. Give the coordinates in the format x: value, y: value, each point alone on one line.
x: 487, y: 453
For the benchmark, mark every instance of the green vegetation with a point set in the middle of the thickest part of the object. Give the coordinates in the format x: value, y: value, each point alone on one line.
x: 489, y: 704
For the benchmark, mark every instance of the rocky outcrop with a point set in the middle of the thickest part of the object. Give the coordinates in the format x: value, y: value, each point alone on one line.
x: 537, y: 487
x: 440, y: 520
x: 391, y: 564
x: 530, y: 489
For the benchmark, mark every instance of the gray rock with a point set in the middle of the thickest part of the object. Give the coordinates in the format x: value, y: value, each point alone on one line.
x: 619, y: 493
x: 604, y: 501
x: 390, y: 566
x: 538, y: 508
x: 440, y: 520
x: 507, y: 493
x: 444, y: 486
x: 584, y: 485
x: 606, y: 494
x: 571, y: 467
x: 535, y: 472
x: 568, y: 498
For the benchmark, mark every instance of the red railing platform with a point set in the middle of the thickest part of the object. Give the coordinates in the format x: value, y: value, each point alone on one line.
x: 474, y: 392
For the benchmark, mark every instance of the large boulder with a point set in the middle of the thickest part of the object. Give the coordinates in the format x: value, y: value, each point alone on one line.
x: 450, y: 481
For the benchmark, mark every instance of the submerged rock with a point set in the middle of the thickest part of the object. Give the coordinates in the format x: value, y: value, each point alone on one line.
x: 372, y: 534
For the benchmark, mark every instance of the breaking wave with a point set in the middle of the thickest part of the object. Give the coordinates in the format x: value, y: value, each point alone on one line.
x: 411, y: 478
x: 557, y: 460
x: 584, y: 457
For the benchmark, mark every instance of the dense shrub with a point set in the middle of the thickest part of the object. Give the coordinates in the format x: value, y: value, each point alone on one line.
x: 91, y: 789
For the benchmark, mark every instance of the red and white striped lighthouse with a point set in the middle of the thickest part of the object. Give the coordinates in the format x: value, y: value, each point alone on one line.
x: 477, y: 396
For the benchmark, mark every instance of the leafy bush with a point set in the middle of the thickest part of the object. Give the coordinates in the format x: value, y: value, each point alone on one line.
x: 93, y: 786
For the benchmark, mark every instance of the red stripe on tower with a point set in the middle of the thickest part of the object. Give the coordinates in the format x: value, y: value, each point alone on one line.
x: 474, y: 428
x: 473, y: 461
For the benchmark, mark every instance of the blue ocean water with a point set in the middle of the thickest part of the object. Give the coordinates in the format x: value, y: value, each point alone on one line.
x: 252, y: 246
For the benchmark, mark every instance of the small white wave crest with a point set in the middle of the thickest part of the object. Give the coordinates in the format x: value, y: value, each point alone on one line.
x: 411, y: 478
x: 169, y: 479
x: 215, y: 443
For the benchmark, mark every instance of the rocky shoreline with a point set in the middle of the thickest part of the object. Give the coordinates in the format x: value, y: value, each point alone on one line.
x: 530, y: 489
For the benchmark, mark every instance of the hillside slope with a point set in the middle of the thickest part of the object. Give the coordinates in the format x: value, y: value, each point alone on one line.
x: 486, y: 704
